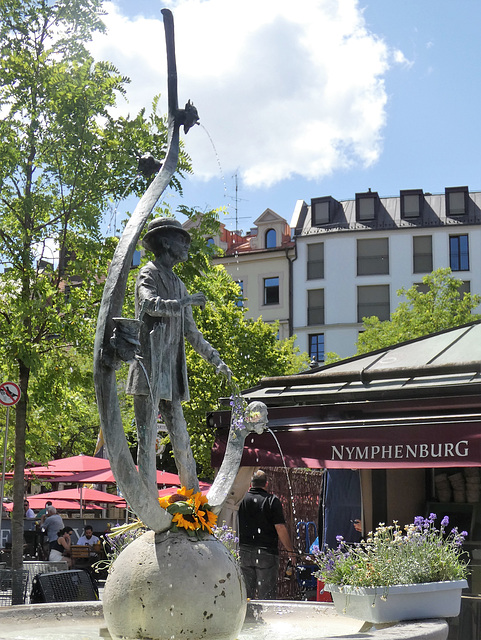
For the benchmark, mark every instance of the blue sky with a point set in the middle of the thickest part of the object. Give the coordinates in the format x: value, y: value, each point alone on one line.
x: 329, y: 97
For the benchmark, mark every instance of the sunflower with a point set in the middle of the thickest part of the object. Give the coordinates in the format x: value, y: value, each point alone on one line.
x: 181, y: 495
x: 207, y: 519
x: 186, y: 521
x: 199, y: 500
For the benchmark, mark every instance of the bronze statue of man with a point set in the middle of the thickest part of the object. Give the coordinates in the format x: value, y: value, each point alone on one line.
x: 159, y: 379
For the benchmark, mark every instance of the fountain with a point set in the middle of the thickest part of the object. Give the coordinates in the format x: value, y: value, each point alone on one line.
x: 276, y: 621
x: 166, y: 584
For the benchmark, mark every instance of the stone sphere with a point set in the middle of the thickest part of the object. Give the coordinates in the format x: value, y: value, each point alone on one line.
x: 167, y: 586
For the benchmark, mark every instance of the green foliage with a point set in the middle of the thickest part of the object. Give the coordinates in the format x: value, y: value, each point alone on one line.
x: 64, y: 161
x: 249, y: 347
x: 442, y: 306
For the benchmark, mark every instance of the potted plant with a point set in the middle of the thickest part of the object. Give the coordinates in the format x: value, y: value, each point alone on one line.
x: 396, y: 574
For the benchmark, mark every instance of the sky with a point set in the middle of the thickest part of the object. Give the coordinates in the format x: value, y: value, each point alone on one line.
x: 308, y: 99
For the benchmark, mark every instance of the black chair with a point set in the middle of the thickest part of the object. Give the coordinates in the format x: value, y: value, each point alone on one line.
x: 6, y: 584
x: 63, y: 586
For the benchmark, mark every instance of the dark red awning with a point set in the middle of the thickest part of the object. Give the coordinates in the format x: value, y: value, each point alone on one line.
x: 432, y: 444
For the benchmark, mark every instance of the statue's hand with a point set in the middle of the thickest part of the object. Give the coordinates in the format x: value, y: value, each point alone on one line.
x: 195, y: 300
x: 148, y: 305
x: 223, y: 369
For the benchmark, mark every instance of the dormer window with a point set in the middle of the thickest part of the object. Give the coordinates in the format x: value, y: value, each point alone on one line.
x: 271, y: 239
x: 456, y: 200
x: 323, y: 210
x: 366, y: 205
x: 412, y: 201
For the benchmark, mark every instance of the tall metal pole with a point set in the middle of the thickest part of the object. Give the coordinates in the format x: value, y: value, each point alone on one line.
x: 5, y: 440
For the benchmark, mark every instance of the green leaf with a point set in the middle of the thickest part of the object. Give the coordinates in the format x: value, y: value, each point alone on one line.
x: 180, y: 507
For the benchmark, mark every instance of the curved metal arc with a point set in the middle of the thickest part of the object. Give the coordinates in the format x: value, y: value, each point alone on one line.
x: 143, y: 500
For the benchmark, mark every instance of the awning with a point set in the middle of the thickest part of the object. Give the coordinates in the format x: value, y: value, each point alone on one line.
x: 399, y: 444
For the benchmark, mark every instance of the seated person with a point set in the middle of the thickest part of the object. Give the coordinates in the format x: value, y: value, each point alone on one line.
x: 28, y: 513
x: 88, y: 537
x: 60, y: 549
x: 42, y: 514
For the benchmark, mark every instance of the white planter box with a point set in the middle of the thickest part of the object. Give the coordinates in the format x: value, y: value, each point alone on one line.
x: 399, y: 602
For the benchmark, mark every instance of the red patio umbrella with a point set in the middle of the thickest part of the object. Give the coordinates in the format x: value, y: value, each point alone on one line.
x: 107, y: 477
x: 37, y: 502
x: 55, y: 468
x: 204, y: 487
x: 84, y: 494
x: 71, y: 465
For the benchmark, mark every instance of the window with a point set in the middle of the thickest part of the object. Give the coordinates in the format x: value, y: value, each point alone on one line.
x: 459, y: 253
x: 412, y: 201
x: 315, y: 306
x: 135, y: 260
x: 464, y: 288
x: 456, y: 200
x: 271, y: 240
x: 366, y: 205
x: 323, y: 210
x: 422, y: 287
x: 210, y: 242
x: 422, y: 254
x: 372, y: 256
x: 373, y: 301
x: 315, y: 260
x: 271, y: 290
x: 316, y: 347
x: 240, y: 299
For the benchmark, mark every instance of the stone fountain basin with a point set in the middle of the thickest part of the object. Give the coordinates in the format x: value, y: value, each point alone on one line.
x: 277, y: 620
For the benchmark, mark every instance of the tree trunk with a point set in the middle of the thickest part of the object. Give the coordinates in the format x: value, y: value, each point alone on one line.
x: 19, y: 486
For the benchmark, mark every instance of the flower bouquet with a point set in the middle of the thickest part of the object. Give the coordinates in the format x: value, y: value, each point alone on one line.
x: 391, y: 561
x: 190, y: 512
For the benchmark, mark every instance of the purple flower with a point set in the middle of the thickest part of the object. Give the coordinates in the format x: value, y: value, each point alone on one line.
x: 445, y: 521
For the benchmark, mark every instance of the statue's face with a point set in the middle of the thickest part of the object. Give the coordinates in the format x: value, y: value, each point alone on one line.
x: 178, y: 246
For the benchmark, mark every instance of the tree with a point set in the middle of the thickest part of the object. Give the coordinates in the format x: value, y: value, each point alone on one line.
x: 441, y: 306
x: 63, y: 161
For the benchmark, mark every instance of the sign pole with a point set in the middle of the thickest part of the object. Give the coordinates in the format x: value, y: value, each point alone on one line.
x: 5, y: 440
x: 9, y: 396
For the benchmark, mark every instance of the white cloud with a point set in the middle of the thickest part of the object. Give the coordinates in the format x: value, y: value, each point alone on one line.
x: 281, y: 90
x: 400, y: 58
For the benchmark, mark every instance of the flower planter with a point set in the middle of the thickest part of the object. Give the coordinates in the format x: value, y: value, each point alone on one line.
x: 399, y: 602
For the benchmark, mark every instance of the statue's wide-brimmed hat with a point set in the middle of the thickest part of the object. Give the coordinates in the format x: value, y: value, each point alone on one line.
x: 162, y: 226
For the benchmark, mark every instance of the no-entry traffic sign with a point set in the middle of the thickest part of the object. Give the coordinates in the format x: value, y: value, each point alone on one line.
x: 9, y: 393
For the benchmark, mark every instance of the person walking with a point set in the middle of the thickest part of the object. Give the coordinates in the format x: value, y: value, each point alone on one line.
x: 261, y: 527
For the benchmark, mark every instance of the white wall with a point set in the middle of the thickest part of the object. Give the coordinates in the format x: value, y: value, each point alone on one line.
x: 340, y: 281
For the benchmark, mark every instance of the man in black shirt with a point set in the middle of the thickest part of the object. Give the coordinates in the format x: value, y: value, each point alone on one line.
x: 261, y: 526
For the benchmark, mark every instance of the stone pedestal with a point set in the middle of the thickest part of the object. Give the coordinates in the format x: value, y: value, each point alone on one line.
x: 168, y: 585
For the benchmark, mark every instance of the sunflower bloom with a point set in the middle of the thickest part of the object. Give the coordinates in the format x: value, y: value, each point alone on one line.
x: 164, y: 502
x: 186, y: 521
x: 199, y: 501
x: 207, y: 519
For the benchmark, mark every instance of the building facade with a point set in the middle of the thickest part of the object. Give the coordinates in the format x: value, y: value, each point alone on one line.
x: 261, y: 263
x: 353, y: 256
